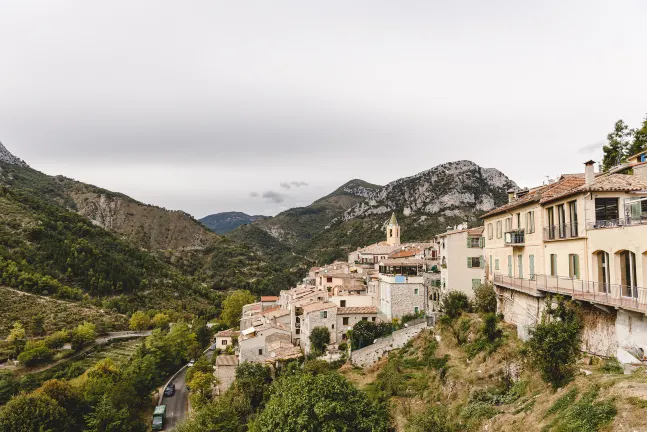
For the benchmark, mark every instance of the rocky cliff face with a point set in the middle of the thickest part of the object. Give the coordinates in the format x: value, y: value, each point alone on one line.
x: 459, y: 188
x: 7, y: 157
x: 147, y: 226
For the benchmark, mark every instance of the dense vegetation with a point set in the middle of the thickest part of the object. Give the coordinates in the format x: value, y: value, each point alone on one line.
x: 623, y: 142
x: 109, y: 396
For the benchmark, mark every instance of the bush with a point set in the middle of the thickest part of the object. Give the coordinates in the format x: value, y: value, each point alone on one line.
x: 454, y: 304
x: 319, y: 340
x: 612, y: 366
x: 36, y: 355
x: 485, y: 298
x: 57, y: 339
x: 554, y: 344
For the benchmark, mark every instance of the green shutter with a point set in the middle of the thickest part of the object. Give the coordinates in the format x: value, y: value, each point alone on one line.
x: 531, y: 262
x: 469, y: 242
x: 482, y: 242
x: 576, y: 263
x: 469, y: 262
x: 482, y: 261
x: 509, y: 265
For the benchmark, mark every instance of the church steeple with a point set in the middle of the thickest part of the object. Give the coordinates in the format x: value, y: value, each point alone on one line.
x: 393, y: 232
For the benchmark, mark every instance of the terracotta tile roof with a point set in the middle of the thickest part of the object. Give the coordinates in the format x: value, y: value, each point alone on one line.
x: 270, y: 309
x: 343, y: 275
x: 227, y: 333
x: 318, y: 306
x: 276, y: 313
x: 357, y: 310
x: 378, y: 249
x: 615, y: 182
x: 227, y: 360
x: 285, y: 353
x: 269, y: 298
x: 478, y: 231
x: 404, y: 253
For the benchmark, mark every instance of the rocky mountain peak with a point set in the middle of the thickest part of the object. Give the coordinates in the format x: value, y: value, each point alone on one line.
x: 7, y: 157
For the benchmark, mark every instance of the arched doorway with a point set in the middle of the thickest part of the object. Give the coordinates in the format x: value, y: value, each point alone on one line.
x: 627, y: 268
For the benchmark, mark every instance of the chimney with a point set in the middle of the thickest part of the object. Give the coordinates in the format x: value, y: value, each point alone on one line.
x: 511, y: 193
x: 589, y: 172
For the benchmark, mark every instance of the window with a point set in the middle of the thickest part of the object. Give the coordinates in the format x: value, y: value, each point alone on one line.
x: 476, y: 283
x: 342, y: 303
x: 520, y: 265
x: 628, y: 273
x: 323, y: 314
x: 332, y: 326
x: 531, y: 266
x: 260, y: 351
x: 553, y: 265
x: 561, y: 218
x: 415, y: 291
x: 606, y: 209
x: 224, y: 342
x: 508, y: 224
x: 604, y: 278
x: 490, y: 231
x: 530, y: 222
x: 573, y: 266
x: 499, y: 232
x: 510, y: 265
x: 518, y: 217
x: 496, y: 264
x: 298, y: 331
x: 572, y: 212
x: 490, y: 262
x: 344, y: 321
x: 474, y: 242
x: 364, y: 318
x: 329, y: 279
x: 373, y: 319
x: 415, y: 310
x: 551, y: 223
x: 473, y: 262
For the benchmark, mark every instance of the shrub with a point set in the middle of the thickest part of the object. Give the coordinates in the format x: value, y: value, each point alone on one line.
x: 319, y: 339
x: 36, y: 355
x: 435, y: 418
x: 57, y: 339
x: 454, y: 304
x: 485, y: 298
x: 554, y: 343
x: 612, y: 366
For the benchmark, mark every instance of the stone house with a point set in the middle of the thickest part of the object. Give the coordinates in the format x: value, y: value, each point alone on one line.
x: 225, y: 371
x: 347, y: 317
x: 252, y: 342
x: 224, y: 339
x: 317, y: 315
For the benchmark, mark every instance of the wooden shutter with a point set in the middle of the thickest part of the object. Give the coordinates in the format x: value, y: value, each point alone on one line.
x: 469, y: 262
x: 482, y: 261
x: 482, y: 242
x: 531, y: 264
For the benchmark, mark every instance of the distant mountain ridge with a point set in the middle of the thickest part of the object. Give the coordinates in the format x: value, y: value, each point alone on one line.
x: 222, y: 223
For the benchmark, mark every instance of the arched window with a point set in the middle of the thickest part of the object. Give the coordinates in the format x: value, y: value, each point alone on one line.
x: 603, y: 270
x: 628, y: 273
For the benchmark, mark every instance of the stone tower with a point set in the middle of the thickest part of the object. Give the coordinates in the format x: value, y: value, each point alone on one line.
x: 393, y: 232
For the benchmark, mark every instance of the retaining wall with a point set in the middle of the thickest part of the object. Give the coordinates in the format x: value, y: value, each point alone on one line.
x: 369, y: 355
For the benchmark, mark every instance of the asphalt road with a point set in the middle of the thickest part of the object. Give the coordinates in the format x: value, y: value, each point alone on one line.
x: 177, y: 406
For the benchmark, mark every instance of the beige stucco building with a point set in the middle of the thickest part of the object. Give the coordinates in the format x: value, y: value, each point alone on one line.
x: 583, y: 236
x: 462, y: 263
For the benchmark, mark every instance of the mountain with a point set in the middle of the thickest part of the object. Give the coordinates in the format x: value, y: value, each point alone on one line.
x: 222, y: 223
x: 300, y: 224
x: 8, y: 158
x: 355, y: 214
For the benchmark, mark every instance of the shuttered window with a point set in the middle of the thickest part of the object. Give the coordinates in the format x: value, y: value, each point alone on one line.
x: 574, y: 266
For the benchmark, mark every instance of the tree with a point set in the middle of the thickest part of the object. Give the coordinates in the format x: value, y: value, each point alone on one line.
x: 37, y: 327
x: 83, y: 335
x: 554, y: 343
x: 17, y: 337
x: 253, y: 380
x: 232, y: 306
x: 32, y: 412
x: 161, y: 321
x: 108, y: 418
x: 458, y: 328
x: 201, y: 385
x: 202, y: 332
x: 139, y: 321
x: 228, y: 413
x: 618, y: 144
x: 640, y: 139
x: 57, y: 339
x: 319, y: 339
x: 328, y: 402
x: 454, y: 304
x: 485, y: 298
x: 36, y: 355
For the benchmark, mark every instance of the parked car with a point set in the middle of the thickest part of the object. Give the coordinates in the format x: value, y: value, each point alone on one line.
x: 191, y: 363
x: 170, y: 390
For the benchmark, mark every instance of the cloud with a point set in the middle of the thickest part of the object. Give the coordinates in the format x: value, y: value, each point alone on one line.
x: 286, y: 185
x: 254, y: 194
x: 299, y: 183
x: 590, y: 148
x: 274, y: 197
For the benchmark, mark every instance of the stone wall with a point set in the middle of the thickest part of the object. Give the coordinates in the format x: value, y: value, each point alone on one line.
x: 369, y: 355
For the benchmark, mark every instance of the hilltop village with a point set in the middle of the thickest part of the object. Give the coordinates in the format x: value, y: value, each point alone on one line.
x: 583, y: 236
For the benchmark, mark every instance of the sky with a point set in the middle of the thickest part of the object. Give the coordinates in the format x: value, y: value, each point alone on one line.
x: 259, y: 106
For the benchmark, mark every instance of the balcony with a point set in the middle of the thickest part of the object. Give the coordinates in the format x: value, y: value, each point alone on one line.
x: 515, y: 237
x: 618, y: 296
x: 615, y: 223
x: 561, y: 231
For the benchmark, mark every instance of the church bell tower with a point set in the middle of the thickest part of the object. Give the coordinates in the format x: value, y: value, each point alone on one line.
x: 393, y: 232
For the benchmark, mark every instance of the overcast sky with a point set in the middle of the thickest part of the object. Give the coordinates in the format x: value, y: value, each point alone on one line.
x: 258, y: 106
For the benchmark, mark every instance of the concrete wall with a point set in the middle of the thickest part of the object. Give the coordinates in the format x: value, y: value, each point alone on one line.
x: 227, y: 376
x: 369, y: 355
x: 520, y: 309
x: 352, y: 300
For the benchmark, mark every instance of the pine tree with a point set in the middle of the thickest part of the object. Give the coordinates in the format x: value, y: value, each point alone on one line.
x: 619, y: 143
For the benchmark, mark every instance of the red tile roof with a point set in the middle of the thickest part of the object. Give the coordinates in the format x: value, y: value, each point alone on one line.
x: 269, y: 298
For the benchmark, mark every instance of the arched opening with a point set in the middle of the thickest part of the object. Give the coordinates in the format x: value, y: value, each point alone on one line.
x: 626, y: 261
x: 602, y: 265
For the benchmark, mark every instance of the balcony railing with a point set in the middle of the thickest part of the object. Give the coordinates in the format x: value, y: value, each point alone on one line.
x: 515, y: 237
x: 612, y: 223
x: 623, y: 296
x: 561, y: 231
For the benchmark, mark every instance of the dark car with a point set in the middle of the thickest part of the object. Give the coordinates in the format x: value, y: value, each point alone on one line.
x: 170, y: 390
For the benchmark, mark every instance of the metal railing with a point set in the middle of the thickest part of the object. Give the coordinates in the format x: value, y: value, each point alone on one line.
x: 625, y: 296
x: 561, y: 231
x: 515, y: 237
x: 613, y: 223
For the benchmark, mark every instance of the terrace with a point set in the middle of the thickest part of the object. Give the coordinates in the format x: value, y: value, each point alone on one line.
x: 619, y: 296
